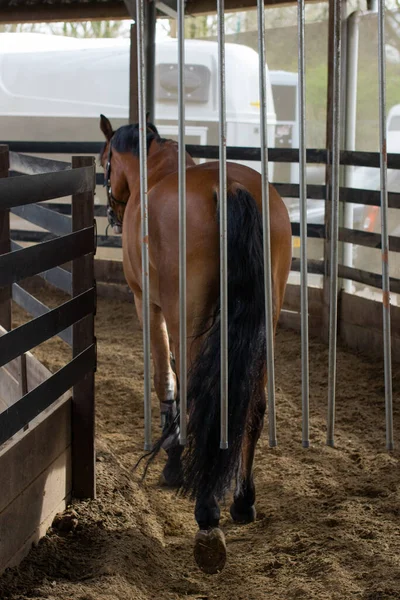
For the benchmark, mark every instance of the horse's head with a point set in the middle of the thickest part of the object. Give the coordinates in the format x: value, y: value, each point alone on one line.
x: 118, y: 172
x: 115, y: 180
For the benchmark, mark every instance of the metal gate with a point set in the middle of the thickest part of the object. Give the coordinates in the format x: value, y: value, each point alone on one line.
x: 333, y: 179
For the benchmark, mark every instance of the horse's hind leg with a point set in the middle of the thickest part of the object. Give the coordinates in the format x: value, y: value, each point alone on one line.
x: 242, y: 509
x: 165, y: 383
x: 209, y: 545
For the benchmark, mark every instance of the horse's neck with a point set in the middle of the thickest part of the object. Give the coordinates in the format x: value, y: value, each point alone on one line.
x: 162, y: 160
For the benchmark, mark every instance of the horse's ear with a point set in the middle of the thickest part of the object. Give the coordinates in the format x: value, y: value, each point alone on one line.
x: 106, y: 127
x: 147, y: 117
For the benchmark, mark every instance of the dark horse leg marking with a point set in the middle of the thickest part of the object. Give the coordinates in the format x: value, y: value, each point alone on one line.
x: 242, y: 509
x: 207, y: 513
x: 171, y: 475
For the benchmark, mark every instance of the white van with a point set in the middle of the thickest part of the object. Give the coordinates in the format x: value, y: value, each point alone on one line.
x: 285, y: 93
x: 54, y: 88
x: 393, y: 129
x: 369, y: 178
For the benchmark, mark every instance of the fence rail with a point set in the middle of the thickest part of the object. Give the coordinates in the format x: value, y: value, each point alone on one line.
x: 285, y: 155
x: 35, y: 308
x: 286, y: 190
x: 35, y: 402
x: 34, y: 165
x: 57, y: 276
x: 26, y: 262
x: 314, y: 230
x: 30, y: 189
x: 44, y: 217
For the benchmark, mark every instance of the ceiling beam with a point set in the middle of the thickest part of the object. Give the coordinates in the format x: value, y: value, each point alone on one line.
x: 208, y: 7
x: 115, y: 10
x: 50, y: 13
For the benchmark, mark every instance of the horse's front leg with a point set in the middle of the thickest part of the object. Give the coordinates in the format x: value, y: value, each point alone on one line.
x: 165, y: 383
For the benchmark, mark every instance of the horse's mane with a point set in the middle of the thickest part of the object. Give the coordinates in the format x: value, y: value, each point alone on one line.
x: 126, y: 138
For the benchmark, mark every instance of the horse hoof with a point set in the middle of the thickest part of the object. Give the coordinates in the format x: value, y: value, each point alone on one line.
x: 210, y: 550
x: 248, y: 516
x: 170, y: 480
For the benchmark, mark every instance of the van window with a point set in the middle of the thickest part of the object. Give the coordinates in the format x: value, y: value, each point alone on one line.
x: 394, y: 123
x: 197, y: 82
x: 285, y: 102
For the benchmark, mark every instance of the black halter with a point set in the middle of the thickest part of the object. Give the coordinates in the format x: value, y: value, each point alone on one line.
x: 115, y: 223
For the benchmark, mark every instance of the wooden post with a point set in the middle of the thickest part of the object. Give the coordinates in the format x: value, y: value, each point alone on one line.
x: 83, y: 405
x: 150, y: 36
x: 150, y: 41
x: 5, y: 245
x: 133, y: 78
x: 133, y: 65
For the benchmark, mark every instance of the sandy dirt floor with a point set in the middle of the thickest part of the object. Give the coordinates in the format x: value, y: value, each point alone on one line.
x: 328, y: 523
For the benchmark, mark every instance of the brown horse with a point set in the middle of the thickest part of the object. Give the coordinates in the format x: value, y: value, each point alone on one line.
x: 203, y: 470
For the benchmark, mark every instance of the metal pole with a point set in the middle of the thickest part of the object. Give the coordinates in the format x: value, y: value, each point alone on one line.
x: 384, y: 222
x: 144, y: 223
x: 335, y: 154
x: 223, y: 224
x: 350, y: 128
x: 350, y: 91
x: 182, y: 224
x: 266, y: 227
x: 303, y: 229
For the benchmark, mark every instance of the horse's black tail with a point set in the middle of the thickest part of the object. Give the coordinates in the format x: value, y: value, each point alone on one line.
x: 208, y: 470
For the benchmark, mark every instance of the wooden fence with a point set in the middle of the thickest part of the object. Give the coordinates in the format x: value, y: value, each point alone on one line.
x: 46, y: 433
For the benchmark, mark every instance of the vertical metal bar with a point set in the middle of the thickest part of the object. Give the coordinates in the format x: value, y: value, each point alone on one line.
x: 350, y: 126
x: 182, y: 225
x: 335, y: 154
x: 144, y: 223
x: 303, y: 229
x: 223, y: 225
x: 266, y: 226
x: 384, y: 222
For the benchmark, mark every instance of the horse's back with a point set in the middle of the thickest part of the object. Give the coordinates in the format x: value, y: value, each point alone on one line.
x: 202, y: 186
x: 202, y: 223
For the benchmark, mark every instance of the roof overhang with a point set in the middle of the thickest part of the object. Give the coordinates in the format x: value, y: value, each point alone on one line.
x: 96, y: 10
